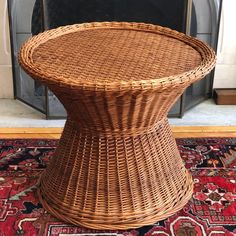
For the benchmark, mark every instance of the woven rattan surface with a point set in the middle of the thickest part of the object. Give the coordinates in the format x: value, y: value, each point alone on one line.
x: 117, y: 165
x: 113, y: 56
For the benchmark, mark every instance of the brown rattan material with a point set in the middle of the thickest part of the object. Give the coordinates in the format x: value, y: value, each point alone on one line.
x: 117, y: 165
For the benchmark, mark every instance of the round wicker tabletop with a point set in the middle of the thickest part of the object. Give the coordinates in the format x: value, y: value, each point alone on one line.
x: 111, y: 55
x: 117, y: 165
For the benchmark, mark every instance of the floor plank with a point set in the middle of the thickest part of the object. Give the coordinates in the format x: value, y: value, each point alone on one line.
x: 179, y: 132
x: 27, y: 130
x: 205, y: 135
x: 36, y: 136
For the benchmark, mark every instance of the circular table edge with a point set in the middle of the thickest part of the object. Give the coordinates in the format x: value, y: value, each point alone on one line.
x: 188, y: 77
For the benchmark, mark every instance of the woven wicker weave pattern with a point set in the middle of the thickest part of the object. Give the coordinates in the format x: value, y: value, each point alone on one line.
x: 102, y: 189
x: 114, y: 114
x: 161, y: 74
x: 117, y: 165
x: 100, y: 54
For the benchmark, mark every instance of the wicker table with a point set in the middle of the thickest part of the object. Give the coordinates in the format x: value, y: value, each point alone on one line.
x: 117, y: 165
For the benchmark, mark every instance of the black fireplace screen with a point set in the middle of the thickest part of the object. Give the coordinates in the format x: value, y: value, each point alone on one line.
x: 30, y: 17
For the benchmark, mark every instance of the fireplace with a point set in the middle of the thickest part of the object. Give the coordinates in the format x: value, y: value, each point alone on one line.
x: 200, y: 18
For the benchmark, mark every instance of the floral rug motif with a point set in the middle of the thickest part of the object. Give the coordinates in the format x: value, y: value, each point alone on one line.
x: 211, y: 211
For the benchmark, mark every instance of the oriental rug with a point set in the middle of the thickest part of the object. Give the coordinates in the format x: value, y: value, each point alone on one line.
x: 211, y: 211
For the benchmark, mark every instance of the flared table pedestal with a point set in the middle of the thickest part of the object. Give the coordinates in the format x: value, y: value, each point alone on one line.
x: 115, y: 182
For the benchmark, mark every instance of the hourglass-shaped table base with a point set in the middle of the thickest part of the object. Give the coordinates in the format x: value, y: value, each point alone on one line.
x: 115, y: 183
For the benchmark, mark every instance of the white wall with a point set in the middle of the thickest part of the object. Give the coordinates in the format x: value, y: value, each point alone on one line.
x: 6, y: 80
x: 225, y: 73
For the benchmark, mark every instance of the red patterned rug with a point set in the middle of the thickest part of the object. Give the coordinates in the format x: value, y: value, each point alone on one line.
x: 211, y: 211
